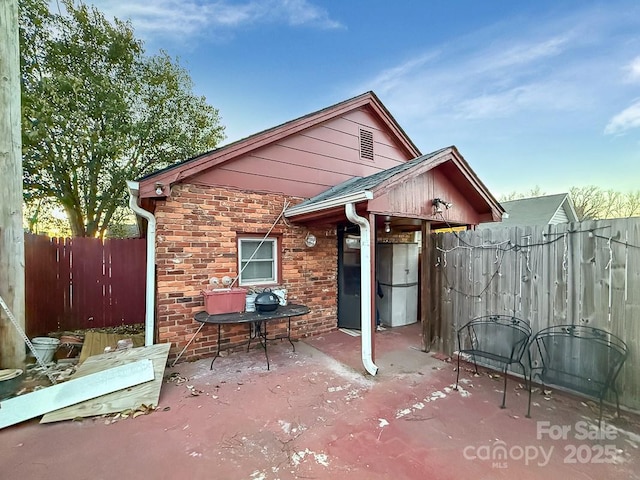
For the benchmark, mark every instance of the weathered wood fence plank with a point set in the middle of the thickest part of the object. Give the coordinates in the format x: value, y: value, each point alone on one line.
x: 583, y: 273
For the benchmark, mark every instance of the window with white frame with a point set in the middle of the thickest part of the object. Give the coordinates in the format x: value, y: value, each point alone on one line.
x: 258, y: 261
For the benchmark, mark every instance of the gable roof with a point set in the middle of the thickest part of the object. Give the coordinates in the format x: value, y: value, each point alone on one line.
x: 538, y: 210
x: 364, y: 188
x: 187, y: 168
x: 359, y: 184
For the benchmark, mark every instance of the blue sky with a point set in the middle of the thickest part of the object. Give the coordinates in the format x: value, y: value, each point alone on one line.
x: 532, y: 93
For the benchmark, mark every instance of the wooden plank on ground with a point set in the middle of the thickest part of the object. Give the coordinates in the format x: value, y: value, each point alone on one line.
x: 24, y: 407
x: 145, y: 394
x: 95, y: 343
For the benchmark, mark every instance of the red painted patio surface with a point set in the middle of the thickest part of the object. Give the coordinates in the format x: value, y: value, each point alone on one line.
x: 315, y: 415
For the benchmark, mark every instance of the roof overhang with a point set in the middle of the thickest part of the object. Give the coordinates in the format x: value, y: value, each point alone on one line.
x: 182, y: 171
x: 448, y: 161
x: 329, y: 204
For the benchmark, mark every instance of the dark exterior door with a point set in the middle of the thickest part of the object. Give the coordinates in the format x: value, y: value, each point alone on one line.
x: 348, y: 277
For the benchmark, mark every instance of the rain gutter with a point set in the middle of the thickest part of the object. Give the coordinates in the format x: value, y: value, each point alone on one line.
x: 329, y: 203
x: 149, y: 320
x: 365, y: 289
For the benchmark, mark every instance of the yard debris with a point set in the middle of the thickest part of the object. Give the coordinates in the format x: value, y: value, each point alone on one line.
x: 144, y: 394
x: 194, y: 391
x: 122, y: 344
x: 112, y: 418
x: 75, y: 391
x: 37, y: 377
x: 176, y: 378
x: 71, y: 339
x: 97, y: 343
x: 118, y: 330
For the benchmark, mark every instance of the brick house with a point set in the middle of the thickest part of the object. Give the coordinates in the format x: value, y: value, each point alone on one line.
x: 346, y: 170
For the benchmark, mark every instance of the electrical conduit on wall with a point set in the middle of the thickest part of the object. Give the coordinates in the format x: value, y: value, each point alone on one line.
x: 365, y: 288
x: 149, y: 318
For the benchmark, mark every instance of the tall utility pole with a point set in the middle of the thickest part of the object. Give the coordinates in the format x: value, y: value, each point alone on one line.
x: 12, y: 349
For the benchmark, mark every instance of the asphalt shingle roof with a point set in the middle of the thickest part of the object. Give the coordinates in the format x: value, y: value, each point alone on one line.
x: 532, y: 211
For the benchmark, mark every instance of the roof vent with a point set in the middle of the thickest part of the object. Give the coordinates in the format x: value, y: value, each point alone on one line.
x: 366, y: 144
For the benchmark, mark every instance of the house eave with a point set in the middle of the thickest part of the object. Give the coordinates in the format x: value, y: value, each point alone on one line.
x: 328, y: 204
x: 180, y: 172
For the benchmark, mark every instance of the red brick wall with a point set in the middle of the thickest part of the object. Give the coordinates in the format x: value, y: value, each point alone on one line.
x: 196, y: 240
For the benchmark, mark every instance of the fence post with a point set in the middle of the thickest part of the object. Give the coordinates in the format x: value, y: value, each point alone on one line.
x: 12, y: 350
x: 425, y: 293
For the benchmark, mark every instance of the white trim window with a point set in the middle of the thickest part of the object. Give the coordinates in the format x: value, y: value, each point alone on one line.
x: 258, y: 267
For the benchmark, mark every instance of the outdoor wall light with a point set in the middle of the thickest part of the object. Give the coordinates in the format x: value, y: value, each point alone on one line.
x: 438, y: 204
x: 159, y: 189
x: 310, y: 240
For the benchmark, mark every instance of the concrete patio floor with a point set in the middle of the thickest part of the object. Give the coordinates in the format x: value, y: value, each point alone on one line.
x: 315, y: 415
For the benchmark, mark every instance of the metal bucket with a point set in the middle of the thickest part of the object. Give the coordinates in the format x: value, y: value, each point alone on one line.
x: 45, y: 347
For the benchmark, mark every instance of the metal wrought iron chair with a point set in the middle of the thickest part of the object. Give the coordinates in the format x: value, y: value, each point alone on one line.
x: 582, y: 359
x: 500, y: 338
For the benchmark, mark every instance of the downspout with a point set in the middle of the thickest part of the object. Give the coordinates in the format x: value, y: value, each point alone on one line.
x: 365, y: 286
x: 149, y: 320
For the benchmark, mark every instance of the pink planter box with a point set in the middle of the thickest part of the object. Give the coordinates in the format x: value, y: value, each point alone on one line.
x: 224, y: 300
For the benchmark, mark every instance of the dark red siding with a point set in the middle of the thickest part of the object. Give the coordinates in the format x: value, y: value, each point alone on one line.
x: 312, y: 161
x: 78, y: 283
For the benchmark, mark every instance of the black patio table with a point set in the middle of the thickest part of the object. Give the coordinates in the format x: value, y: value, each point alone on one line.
x: 257, y: 322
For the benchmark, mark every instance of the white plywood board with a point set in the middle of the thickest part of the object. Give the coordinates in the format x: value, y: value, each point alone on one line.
x: 24, y: 407
x: 146, y: 393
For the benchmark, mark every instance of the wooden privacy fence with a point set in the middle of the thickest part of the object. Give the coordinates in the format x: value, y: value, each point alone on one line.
x: 77, y: 283
x: 584, y: 273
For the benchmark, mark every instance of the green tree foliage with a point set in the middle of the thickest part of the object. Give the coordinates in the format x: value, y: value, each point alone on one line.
x: 42, y: 216
x: 98, y: 111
